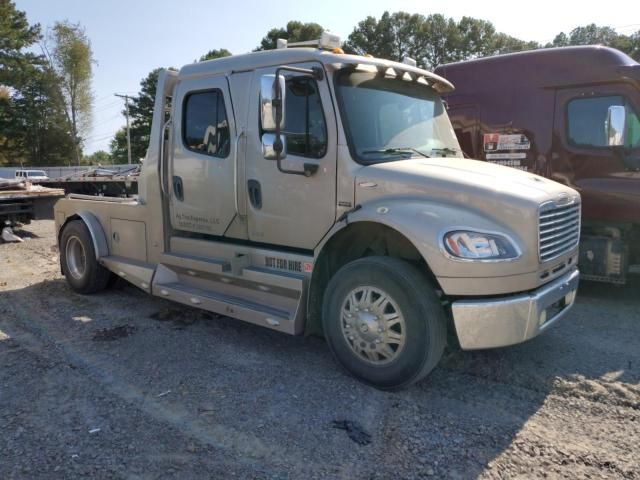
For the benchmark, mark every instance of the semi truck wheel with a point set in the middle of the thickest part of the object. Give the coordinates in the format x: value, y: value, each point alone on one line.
x: 78, y: 259
x: 384, y: 322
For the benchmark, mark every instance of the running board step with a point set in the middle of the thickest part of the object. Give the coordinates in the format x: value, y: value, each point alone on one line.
x: 232, y: 306
x: 134, y: 271
x: 196, y: 264
x: 269, y: 278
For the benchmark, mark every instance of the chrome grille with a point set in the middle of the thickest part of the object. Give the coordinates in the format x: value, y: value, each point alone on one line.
x: 559, y: 230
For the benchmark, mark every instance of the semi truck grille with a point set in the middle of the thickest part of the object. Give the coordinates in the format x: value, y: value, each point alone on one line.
x: 559, y: 230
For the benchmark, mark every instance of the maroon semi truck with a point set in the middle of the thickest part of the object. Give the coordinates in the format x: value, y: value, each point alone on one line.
x: 570, y: 114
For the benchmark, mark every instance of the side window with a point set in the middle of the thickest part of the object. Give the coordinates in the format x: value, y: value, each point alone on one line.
x: 632, y: 135
x: 305, y: 128
x: 587, y: 117
x: 205, y: 128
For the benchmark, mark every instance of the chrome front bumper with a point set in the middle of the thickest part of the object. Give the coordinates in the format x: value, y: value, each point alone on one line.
x: 503, y: 321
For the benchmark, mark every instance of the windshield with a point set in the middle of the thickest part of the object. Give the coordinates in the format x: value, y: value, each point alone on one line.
x: 389, y: 118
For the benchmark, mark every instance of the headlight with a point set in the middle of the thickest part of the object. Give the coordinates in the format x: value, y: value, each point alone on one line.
x: 478, y: 246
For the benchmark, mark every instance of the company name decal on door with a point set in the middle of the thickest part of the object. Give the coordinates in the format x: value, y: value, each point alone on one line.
x: 290, y: 265
x: 508, y: 150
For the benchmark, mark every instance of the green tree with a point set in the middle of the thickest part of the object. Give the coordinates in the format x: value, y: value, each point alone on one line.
x: 141, y: 115
x: 16, y: 36
x: 373, y: 37
x: 72, y: 58
x: 593, y: 34
x: 443, y: 41
x: 41, y: 128
x: 33, y: 126
x: 97, y: 158
x: 503, y: 43
x: 215, y: 53
x: 16, y: 64
x: 118, y: 147
x: 431, y: 40
x: 635, y: 46
x: 295, y: 31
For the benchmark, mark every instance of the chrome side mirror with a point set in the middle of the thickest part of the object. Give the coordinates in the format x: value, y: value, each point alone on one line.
x: 268, y: 150
x: 616, y: 119
x: 269, y: 108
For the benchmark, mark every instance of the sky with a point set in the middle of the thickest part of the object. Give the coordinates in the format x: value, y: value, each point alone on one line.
x: 131, y: 38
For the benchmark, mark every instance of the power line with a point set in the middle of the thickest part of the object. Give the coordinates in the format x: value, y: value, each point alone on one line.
x: 107, y: 107
x: 96, y: 140
x: 102, y: 99
x: 107, y: 120
x: 98, y: 135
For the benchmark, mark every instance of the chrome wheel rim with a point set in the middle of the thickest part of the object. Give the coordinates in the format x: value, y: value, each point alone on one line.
x: 76, y: 258
x: 373, y: 325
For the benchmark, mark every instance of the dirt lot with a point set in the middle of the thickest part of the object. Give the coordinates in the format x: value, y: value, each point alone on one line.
x: 122, y: 385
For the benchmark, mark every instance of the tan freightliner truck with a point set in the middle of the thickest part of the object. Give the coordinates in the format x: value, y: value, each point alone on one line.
x: 333, y: 200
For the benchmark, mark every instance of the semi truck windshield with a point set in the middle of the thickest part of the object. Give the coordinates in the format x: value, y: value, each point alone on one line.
x: 388, y: 118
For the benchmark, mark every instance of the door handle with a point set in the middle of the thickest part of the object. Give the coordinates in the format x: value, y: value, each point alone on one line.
x: 255, y: 193
x: 178, y: 190
x: 161, y: 165
x: 235, y: 174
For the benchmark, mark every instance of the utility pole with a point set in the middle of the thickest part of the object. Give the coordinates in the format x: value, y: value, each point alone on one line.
x: 126, y: 102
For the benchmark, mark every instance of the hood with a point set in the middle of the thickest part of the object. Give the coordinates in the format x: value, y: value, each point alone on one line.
x: 493, y: 189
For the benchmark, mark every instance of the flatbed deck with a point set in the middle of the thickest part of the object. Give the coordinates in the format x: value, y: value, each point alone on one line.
x: 19, y: 203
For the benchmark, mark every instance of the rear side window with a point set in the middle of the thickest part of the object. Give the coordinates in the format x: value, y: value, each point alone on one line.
x: 305, y: 129
x: 587, y: 121
x: 205, y: 128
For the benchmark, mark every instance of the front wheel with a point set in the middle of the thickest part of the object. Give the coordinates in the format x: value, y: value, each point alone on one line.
x: 384, y: 322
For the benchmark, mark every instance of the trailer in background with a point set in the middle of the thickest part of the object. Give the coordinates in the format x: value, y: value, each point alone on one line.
x: 109, y: 181
x: 98, y: 182
x: 572, y: 115
x: 22, y: 202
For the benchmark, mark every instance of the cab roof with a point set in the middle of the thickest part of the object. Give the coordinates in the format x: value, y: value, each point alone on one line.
x: 268, y: 58
x: 546, y: 67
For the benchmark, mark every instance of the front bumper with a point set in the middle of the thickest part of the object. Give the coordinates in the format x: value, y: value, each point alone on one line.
x: 503, y: 321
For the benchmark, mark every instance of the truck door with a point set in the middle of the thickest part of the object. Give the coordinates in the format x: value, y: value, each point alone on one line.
x: 202, y: 168
x: 285, y: 208
x: 582, y: 157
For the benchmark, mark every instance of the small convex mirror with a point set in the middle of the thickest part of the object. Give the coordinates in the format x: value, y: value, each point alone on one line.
x: 616, y: 119
x: 268, y: 110
x: 269, y: 146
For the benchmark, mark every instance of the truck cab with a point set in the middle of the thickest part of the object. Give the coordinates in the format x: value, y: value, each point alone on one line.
x: 31, y: 175
x: 309, y: 191
x: 569, y: 114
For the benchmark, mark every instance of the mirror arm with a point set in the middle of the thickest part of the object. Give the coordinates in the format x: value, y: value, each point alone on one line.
x: 316, y: 73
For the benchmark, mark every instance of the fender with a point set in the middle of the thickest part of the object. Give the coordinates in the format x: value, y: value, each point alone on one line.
x: 423, y: 223
x: 98, y: 237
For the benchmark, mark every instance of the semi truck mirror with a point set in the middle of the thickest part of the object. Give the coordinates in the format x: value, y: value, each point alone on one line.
x: 270, y: 104
x: 616, y: 118
x: 269, y: 146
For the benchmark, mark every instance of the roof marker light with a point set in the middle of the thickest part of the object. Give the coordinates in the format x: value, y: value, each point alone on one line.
x: 409, y: 61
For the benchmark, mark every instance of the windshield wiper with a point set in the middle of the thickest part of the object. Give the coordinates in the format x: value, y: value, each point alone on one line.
x: 396, y: 150
x: 445, y: 150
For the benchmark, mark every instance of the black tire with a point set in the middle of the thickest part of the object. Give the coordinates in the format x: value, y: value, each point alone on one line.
x: 411, y: 292
x: 87, y: 275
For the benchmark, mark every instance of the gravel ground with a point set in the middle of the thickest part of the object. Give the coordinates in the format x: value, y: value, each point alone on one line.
x: 123, y: 385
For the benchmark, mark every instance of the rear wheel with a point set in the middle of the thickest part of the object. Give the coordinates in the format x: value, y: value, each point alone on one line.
x: 384, y: 322
x: 78, y: 259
